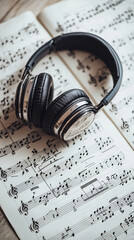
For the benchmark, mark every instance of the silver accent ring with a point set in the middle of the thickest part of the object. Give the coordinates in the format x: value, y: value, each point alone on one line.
x: 26, y: 98
x: 67, y: 113
x: 81, y: 123
x: 19, y: 105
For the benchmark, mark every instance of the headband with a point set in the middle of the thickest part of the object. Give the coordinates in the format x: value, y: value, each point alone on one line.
x: 85, y: 42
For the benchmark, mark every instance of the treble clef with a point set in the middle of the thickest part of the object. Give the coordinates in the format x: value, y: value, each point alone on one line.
x: 34, y: 226
x: 3, y: 175
x: 125, y: 125
x: 13, y: 192
x: 23, y: 209
x: 114, y: 108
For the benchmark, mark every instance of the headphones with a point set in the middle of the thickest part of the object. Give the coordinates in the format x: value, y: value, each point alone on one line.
x: 72, y: 112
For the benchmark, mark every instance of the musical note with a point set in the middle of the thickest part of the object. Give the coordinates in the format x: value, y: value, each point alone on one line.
x: 6, y: 83
x: 126, y: 101
x: 6, y: 111
x: 76, y: 18
x: 88, y: 181
x: 95, y: 187
x: 11, y: 129
x: 121, y: 229
x: 13, y: 39
x: 12, y: 148
x: 100, y: 214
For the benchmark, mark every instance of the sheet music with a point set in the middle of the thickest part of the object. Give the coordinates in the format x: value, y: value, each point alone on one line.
x: 114, y: 21
x: 51, y: 189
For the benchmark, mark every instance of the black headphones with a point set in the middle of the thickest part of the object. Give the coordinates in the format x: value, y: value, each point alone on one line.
x: 71, y: 112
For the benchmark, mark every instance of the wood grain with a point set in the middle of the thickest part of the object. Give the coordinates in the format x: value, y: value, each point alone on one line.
x: 6, y: 231
x: 9, y: 9
x: 12, y: 8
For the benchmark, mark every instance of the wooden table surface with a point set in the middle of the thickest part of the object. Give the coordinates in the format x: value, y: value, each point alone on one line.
x: 9, y: 9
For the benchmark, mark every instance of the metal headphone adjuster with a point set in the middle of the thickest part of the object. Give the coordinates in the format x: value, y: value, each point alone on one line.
x: 26, y: 72
x: 53, y: 43
x: 51, y: 46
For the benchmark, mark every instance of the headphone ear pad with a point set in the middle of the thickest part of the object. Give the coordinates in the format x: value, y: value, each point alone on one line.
x: 40, y: 98
x: 59, y: 106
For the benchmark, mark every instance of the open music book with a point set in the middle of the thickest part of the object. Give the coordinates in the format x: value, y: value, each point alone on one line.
x: 84, y: 188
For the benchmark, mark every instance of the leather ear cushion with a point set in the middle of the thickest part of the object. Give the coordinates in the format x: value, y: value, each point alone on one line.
x: 42, y: 97
x: 30, y: 102
x: 59, y: 106
x: 17, y: 99
x: 24, y: 85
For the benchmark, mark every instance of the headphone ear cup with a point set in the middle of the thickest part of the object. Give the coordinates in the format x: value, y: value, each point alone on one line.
x: 59, y: 106
x: 40, y: 98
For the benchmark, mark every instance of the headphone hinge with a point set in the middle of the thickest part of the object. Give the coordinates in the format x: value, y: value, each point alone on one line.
x: 51, y: 46
x: 26, y: 72
x: 53, y: 43
x: 98, y: 107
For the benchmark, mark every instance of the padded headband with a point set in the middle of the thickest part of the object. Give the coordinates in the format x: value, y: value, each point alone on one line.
x: 85, y: 42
